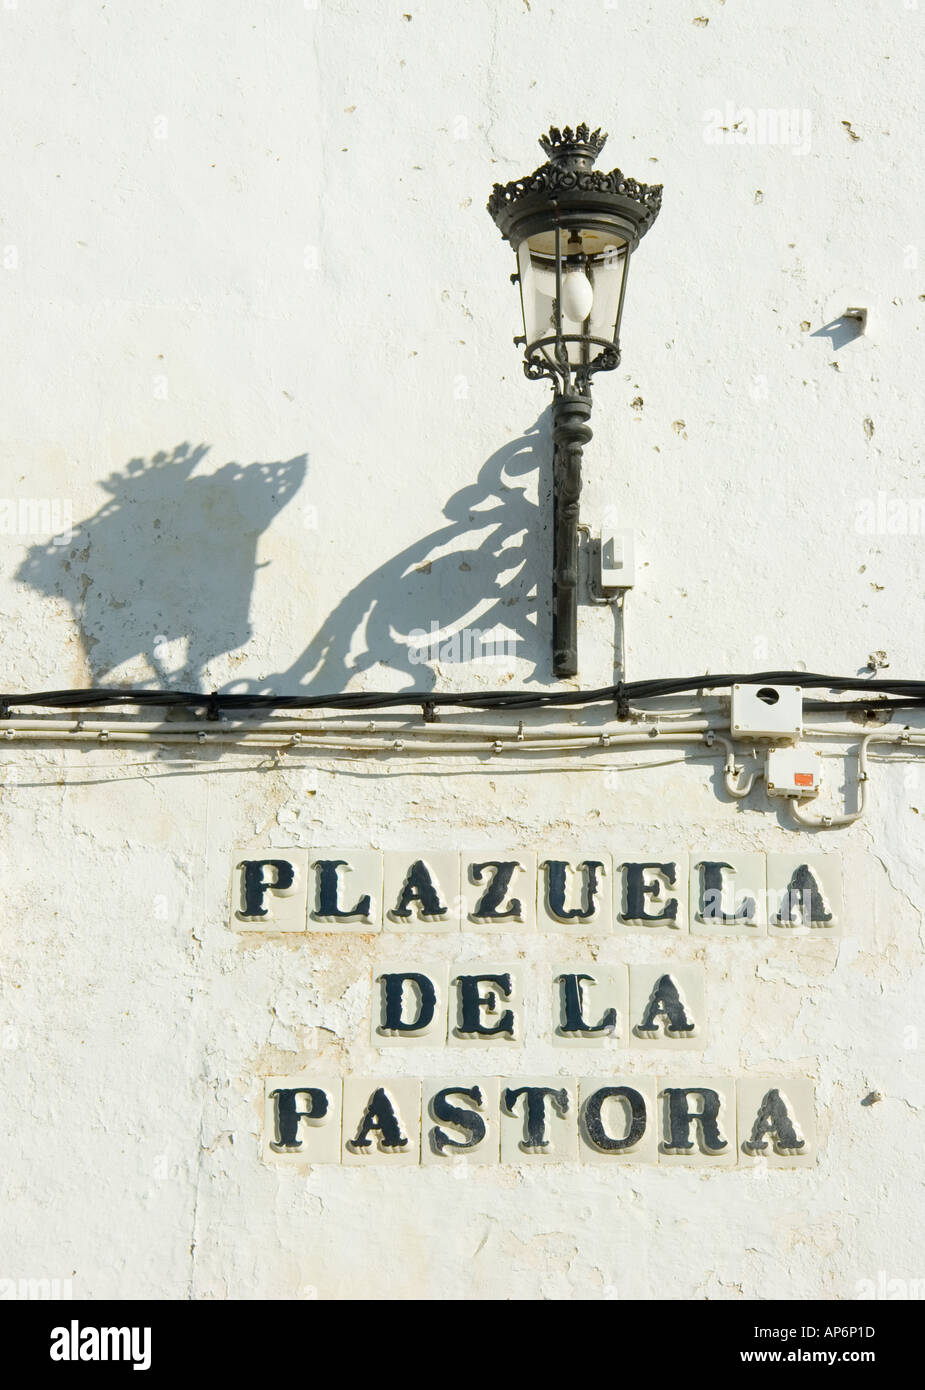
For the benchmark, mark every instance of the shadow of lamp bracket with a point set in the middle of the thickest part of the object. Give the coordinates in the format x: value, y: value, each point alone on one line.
x: 573, y: 229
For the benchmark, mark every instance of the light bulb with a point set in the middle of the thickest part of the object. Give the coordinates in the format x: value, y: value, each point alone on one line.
x: 577, y: 296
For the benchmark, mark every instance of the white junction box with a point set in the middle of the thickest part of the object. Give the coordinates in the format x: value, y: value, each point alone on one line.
x: 617, y: 561
x: 792, y: 772
x: 767, y: 711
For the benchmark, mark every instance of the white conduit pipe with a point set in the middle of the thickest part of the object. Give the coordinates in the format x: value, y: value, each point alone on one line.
x: 516, y: 733
x: 335, y: 737
x: 404, y: 742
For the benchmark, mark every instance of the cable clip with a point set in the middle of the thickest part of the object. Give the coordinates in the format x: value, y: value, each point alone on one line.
x: 623, y: 707
x: 429, y: 712
x: 4, y: 709
x: 213, y: 709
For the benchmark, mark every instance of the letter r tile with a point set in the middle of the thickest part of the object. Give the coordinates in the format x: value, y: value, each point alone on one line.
x: 697, y: 1121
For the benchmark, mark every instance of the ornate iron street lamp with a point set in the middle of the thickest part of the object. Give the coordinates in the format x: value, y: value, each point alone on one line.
x: 573, y: 229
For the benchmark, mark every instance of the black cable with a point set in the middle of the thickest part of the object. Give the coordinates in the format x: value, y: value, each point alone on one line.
x: 906, y: 693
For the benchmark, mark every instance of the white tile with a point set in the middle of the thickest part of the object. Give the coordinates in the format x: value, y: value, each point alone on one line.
x: 801, y: 886
x: 618, y: 1119
x: 778, y: 1112
x: 542, y: 1127
x: 345, y: 890
x: 664, y: 1000
x: 421, y: 892
x: 651, y: 893
x: 379, y: 1112
x: 583, y: 993
x: 712, y: 1139
x: 728, y: 894
x: 302, y: 1119
x: 269, y: 889
x: 415, y: 1000
x: 499, y: 890
x: 574, y: 892
x: 445, y: 1131
x: 485, y: 1006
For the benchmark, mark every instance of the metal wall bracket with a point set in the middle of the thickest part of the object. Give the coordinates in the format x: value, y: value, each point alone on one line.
x: 571, y: 432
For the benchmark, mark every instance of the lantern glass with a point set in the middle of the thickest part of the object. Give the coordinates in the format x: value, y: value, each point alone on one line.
x: 597, y: 258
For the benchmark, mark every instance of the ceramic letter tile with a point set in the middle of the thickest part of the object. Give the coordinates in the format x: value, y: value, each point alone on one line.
x: 444, y: 1132
x: 414, y: 1000
x: 302, y: 1119
x: 345, y: 890
x: 380, y: 1113
x: 539, y: 1119
x: 667, y: 1007
x: 499, y: 891
x: 651, y: 893
x: 269, y: 889
x: 421, y: 891
x: 585, y: 994
x: 618, y: 1119
x: 805, y: 895
x: 778, y: 1112
x: 485, y: 1004
x: 574, y: 892
x: 704, y: 1118
x: 728, y: 894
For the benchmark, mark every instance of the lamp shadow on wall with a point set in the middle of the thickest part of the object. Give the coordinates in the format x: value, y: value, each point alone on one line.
x: 165, y: 569
x: 463, y: 595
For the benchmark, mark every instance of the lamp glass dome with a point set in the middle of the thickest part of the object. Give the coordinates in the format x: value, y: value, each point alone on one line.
x: 566, y: 272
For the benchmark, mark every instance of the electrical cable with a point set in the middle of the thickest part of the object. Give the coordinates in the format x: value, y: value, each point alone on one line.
x: 907, y: 694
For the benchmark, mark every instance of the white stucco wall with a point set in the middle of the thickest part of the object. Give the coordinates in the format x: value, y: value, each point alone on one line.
x: 258, y: 328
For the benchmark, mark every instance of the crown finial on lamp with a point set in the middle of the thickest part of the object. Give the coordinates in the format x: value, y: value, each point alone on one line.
x: 580, y: 146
